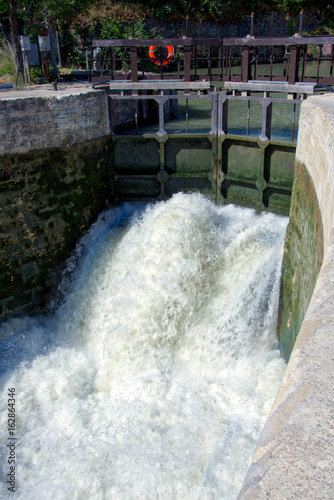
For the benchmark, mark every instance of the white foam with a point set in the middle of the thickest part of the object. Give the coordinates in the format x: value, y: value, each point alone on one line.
x: 164, y: 361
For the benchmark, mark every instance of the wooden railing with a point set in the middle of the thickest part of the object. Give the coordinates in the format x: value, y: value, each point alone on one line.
x: 285, y: 59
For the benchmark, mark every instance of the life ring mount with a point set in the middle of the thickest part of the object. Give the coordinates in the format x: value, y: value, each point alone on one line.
x: 157, y: 60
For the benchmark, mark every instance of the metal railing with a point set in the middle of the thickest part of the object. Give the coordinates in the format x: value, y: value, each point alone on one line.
x: 284, y: 59
x: 220, y: 113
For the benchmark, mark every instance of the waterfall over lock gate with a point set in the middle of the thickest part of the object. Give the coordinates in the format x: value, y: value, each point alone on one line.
x: 154, y: 375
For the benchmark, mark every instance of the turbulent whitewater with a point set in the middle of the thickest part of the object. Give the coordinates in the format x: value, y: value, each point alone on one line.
x: 155, y: 373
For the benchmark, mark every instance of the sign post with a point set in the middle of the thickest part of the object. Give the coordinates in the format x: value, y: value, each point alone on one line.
x: 25, y: 47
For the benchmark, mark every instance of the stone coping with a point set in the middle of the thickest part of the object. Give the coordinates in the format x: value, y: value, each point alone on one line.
x: 41, y: 117
x: 47, y: 90
x: 294, y: 457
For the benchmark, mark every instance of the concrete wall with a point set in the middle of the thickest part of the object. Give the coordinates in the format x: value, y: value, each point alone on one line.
x: 294, y: 456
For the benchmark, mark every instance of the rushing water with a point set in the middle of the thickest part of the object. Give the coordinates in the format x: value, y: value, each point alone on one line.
x: 154, y: 376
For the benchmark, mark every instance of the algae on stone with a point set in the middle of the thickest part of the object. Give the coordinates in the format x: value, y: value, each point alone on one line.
x: 49, y: 198
x: 303, y: 255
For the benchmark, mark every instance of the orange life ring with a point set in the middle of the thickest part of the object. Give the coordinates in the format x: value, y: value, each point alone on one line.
x: 165, y: 61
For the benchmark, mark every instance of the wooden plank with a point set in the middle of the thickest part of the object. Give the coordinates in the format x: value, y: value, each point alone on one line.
x: 158, y: 85
x: 271, y: 87
x: 161, y: 42
x: 304, y: 40
x: 187, y: 42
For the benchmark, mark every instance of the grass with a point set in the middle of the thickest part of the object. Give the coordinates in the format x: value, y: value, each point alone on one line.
x: 7, y: 68
x: 118, y: 11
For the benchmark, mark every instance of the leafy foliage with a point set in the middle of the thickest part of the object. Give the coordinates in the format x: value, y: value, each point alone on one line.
x: 112, y: 29
x: 6, y: 62
x: 74, y: 18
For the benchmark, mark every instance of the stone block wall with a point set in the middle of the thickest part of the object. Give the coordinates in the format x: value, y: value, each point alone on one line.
x: 48, y: 199
x: 294, y: 455
x: 302, y: 260
x: 51, y: 120
x: 272, y: 24
x: 55, y: 178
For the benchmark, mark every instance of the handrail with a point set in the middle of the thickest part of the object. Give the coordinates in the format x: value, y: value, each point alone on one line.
x: 188, y: 42
x: 291, y: 40
x: 158, y: 42
x: 223, y: 59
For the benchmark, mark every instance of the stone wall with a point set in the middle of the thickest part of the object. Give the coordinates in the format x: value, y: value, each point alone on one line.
x: 53, y: 183
x: 273, y: 24
x: 302, y: 259
x: 50, y: 119
x: 55, y: 178
x: 294, y: 455
x: 48, y: 199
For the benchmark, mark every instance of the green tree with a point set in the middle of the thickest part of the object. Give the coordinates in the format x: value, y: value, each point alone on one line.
x: 27, y: 17
x: 115, y: 30
x: 14, y: 39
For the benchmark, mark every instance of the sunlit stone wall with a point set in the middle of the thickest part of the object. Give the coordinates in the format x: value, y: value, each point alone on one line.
x: 294, y: 456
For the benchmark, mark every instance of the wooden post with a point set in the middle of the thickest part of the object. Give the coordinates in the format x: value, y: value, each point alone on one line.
x: 271, y: 62
x: 195, y: 62
x: 220, y: 62
x: 112, y: 63
x: 178, y: 63
x: 229, y: 55
x: 319, y: 61
x: 210, y: 61
x: 293, y: 65
x: 134, y: 64
x: 256, y: 52
x: 187, y: 64
x: 304, y: 48
x: 245, y: 66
